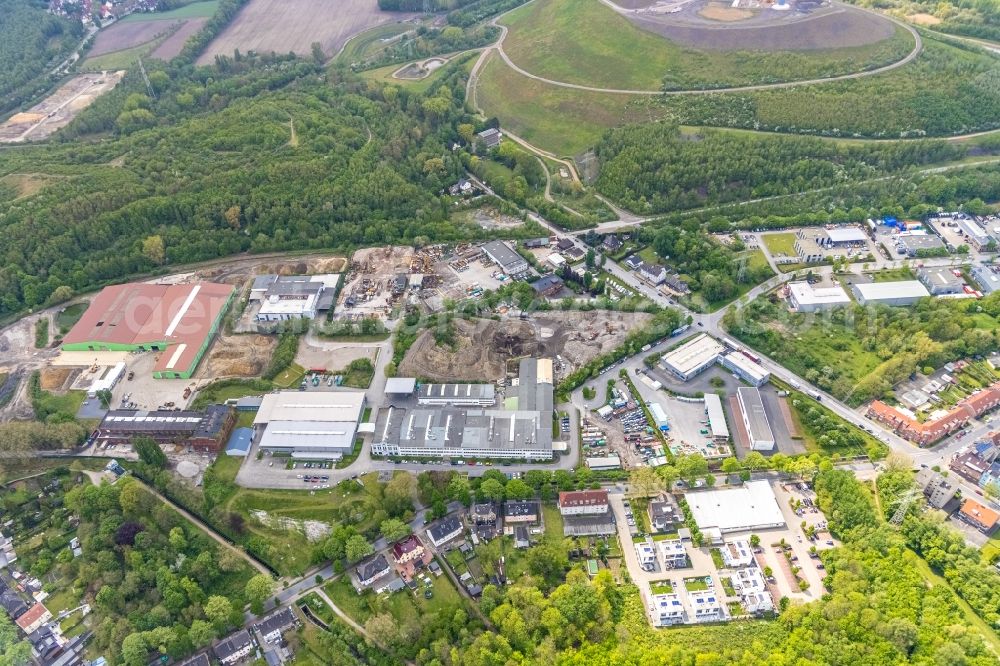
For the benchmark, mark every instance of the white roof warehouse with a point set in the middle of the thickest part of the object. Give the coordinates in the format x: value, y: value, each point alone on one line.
x: 318, y: 424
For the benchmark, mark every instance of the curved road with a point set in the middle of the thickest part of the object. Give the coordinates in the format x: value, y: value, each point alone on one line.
x: 918, y: 46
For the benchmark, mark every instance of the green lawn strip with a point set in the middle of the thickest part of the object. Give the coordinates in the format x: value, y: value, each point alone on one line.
x: 290, y: 376
x: 193, y: 10
x: 662, y: 587
x: 695, y: 584
x: 370, y: 42
x: 780, y: 244
x: 68, y: 316
x: 553, y: 523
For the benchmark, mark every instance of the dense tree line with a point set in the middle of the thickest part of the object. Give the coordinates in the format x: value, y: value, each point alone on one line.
x: 420, y: 5
x: 943, y: 547
x: 157, y: 584
x: 949, y: 89
x: 655, y: 168
x: 32, y: 43
x: 896, y: 341
x: 212, y: 141
x: 480, y: 10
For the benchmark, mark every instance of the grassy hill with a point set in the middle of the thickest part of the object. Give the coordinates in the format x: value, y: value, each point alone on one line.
x: 587, y: 43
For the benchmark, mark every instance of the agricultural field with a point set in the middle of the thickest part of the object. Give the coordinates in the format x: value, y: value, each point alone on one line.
x: 159, y: 35
x: 585, y: 42
x: 295, y: 25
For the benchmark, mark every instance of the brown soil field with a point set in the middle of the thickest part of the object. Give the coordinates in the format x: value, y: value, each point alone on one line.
x: 171, y: 47
x: 22, y: 117
x: 239, y: 356
x: 923, y: 19
x: 485, y: 345
x: 281, y: 26
x: 844, y: 27
x: 123, y: 36
x: 716, y: 11
x: 53, y: 379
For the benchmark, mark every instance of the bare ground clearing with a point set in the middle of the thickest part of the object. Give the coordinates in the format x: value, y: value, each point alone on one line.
x: 281, y: 26
x: 485, y: 345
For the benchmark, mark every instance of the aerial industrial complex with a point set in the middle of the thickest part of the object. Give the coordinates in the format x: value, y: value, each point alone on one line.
x: 459, y: 420
x: 178, y: 321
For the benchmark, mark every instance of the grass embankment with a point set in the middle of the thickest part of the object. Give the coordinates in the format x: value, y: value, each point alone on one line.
x: 69, y: 315
x: 561, y: 120
x: 370, y: 43
x: 42, y: 333
x: 587, y: 43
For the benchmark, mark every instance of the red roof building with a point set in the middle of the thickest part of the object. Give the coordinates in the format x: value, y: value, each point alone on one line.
x: 36, y: 616
x: 929, y: 432
x: 981, y: 517
x: 583, y: 502
x: 408, y: 549
x: 177, y: 320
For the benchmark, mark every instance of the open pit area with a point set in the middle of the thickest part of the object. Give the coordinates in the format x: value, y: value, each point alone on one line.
x: 485, y: 345
x: 244, y: 355
x: 58, y: 109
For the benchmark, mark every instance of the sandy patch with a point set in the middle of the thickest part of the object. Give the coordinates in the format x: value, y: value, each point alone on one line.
x: 53, y: 379
x: 19, y: 118
x: 716, y: 11
x: 923, y: 19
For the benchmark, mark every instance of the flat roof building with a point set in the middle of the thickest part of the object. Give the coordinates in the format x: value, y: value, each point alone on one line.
x: 804, y: 297
x: 755, y: 419
x: 693, y: 357
x: 314, y: 424
x: 666, y: 609
x: 987, y: 277
x: 286, y: 297
x: 459, y: 420
x: 904, y: 292
x: 845, y: 236
x: 457, y: 395
x: 509, y: 261
x: 716, y: 417
x: 400, y: 386
x: 911, y: 243
x: 937, y: 489
x: 941, y: 280
x: 204, y: 431
x: 746, y: 368
x: 177, y: 320
x: 749, y: 507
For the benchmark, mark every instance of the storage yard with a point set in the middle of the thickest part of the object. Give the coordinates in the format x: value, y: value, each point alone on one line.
x: 576, y: 337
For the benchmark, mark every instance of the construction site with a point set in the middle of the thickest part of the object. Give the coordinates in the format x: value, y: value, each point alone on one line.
x: 58, y: 109
x: 485, y: 345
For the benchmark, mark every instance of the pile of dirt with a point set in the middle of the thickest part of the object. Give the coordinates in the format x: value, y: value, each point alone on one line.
x: 54, y: 379
x: 240, y: 355
x: 484, y: 346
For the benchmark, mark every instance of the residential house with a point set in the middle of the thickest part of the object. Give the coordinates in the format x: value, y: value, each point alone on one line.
x: 521, y: 513
x: 274, y: 625
x: 970, y: 466
x: 564, y: 244
x: 408, y: 549
x: 706, y: 605
x: 673, y: 554
x: 938, y: 490
x: 647, y: 555
x: 611, y: 243
x: 751, y: 588
x: 664, y: 515
x: 521, y: 539
x: 491, y: 137
x: 981, y: 517
x: 583, y: 502
x: 548, y: 285
x: 234, y: 647
x: 34, y: 618
x: 445, y: 530
x: 928, y: 432
x: 666, y: 609
x: 737, y: 553
x: 12, y: 603
x: 676, y: 285
x: 485, y: 519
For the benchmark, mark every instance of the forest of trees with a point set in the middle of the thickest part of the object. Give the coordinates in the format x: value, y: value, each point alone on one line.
x: 655, y: 168
x: 859, y: 353
x: 211, y: 142
x: 157, y: 584
x: 34, y: 42
x: 951, y: 88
